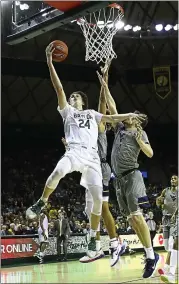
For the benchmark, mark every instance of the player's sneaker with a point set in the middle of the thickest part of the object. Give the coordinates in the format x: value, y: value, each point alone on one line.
x: 116, y: 253
x: 150, y: 266
x: 91, y: 252
x: 99, y: 254
x: 168, y: 278
x: 35, y: 209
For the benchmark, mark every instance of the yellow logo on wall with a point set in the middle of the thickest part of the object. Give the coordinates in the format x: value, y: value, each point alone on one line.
x: 162, y: 81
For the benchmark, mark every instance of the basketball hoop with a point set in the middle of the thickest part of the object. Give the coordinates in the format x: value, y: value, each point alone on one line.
x: 98, y: 30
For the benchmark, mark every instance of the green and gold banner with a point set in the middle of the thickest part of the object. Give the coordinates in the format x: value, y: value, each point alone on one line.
x: 162, y: 81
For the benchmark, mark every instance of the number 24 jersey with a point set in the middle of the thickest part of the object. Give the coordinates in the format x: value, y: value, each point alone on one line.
x: 80, y: 126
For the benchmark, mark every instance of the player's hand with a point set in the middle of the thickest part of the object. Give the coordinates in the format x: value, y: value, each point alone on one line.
x: 137, y: 117
x: 105, y: 69
x: 67, y: 236
x: 64, y: 142
x: 101, y: 80
x: 160, y: 201
x: 49, y: 50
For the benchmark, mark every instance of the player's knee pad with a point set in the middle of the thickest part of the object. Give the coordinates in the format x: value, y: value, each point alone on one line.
x: 88, y: 208
x: 166, y: 244
x: 96, y: 193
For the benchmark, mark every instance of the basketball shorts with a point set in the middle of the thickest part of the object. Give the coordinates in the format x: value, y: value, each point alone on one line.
x: 167, y: 229
x: 82, y: 160
x: 131, y: 193
x: 88, y: 163
x: 42, y: 239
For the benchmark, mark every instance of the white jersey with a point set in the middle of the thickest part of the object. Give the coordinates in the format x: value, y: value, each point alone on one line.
x: 80, y: 127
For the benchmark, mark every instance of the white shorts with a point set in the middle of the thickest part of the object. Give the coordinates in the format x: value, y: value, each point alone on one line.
x: 89, y: 197
x: 87, y: 163
x: 41, y: 237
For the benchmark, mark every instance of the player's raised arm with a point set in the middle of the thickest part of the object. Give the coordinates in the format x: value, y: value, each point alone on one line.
x: 62, y: 102
x: 121, y: 117
x: 143, y: 142
x: 109, y: 99
x: 102, y: 108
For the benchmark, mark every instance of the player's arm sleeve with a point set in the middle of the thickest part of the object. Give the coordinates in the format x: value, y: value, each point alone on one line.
x: 65, y: 111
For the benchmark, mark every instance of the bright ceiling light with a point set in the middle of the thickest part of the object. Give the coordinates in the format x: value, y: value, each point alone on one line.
x: 168, y: 27
x: 119, y: 25
x: 44, y: 14
x: 136, y: 28
x: 175, y: 27
x: 159, y: 27
x: 127, y: 27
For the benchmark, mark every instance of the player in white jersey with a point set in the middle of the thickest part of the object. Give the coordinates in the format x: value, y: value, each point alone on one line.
x: 43, y: 234
x: 81, y: 133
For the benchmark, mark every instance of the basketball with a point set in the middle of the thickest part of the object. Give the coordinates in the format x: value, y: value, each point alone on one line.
x: 61, y: 51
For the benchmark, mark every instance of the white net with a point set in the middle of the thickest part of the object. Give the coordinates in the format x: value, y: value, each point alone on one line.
x: 98, y: 30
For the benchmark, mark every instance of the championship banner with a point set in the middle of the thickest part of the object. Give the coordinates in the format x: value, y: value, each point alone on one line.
x: 162, y: 81
x: 28, y: 247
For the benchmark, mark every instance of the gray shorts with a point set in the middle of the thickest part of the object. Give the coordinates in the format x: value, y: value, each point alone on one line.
x: 131, y: 193
x: 166, y: 222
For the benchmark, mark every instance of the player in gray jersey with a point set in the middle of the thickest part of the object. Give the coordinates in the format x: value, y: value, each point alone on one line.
x: 168, y: 201
x: 129, y: 140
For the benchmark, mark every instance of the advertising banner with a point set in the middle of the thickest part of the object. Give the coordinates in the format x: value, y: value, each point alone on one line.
x: 28, y: 247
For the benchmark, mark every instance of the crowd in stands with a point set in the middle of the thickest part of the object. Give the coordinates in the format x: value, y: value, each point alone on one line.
x: 23, y: 177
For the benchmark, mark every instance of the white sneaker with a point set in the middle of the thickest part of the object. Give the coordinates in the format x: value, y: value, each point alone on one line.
x: 116, y: 253
x: 168, y: 278
x: 99, y: 254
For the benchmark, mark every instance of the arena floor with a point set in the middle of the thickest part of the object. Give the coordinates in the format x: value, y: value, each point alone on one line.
x: 128, y: 270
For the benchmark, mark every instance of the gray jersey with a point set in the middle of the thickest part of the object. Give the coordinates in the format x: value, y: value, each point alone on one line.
x: 125, y: 150
x: 102, y: 145
x: 102, y: 151
x: 170, y: 202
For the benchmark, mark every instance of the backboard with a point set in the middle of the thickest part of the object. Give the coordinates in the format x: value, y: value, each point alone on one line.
x: 23, y: 20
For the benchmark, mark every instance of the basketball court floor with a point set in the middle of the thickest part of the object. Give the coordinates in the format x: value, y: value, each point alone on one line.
x: 128, y: 270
